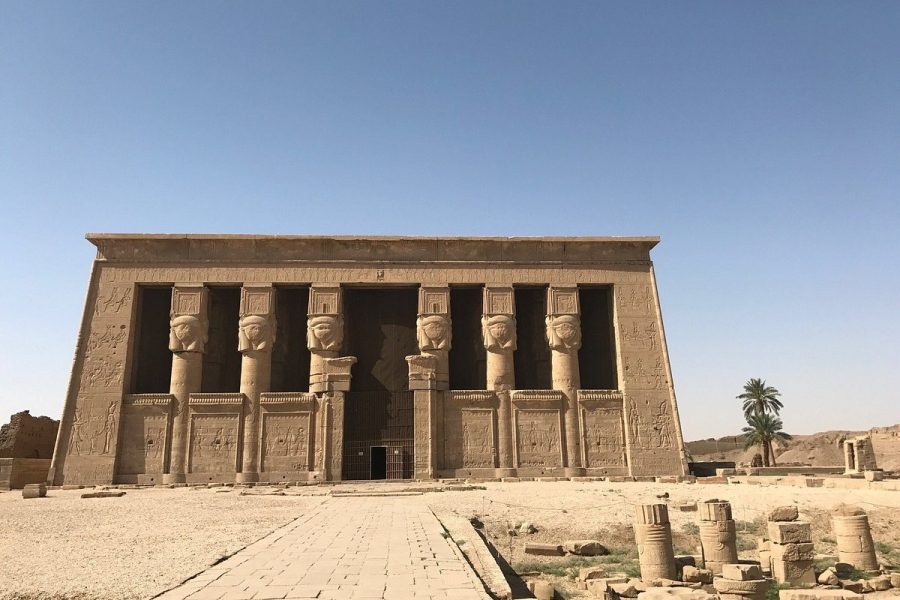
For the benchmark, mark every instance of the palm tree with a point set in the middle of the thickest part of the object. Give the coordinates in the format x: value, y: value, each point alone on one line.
x: 762, y: 429
x: 760, y: 398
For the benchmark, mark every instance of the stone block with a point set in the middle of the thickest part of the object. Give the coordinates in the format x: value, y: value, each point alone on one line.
x: 784, y: 513
x: 798, y: 572
x: 694, y: 575
x: 793, y: 552
x: 625, y: 590
x: 34, y: 490
x: 669, y: 593
x: 895, y: 580
x: 543, y: 549
x: 858, y: 586
x: 789, y: 532
x: 874, y: 475
x: 816, y: 594
x: 881, y: 583
x: 685, y: 507
x: 592, y: 573
x: 103, y: 494
x: 542, y: 590
x: 828, y: 577
x: 584, y: 548
x: 715, y: 510
x: 741, y: 588
x: 740, y: 572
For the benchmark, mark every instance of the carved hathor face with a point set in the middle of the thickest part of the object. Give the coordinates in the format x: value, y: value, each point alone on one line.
x: 254, y: 328
x: 435, y: 328
x: 186, y: 329
x: 324, y: 332
x: 501, y: 331
x: 564, y: 332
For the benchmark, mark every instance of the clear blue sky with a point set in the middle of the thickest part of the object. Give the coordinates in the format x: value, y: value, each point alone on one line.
x: 761, y: 140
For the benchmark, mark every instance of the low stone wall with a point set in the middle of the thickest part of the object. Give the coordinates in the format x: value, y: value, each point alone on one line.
x: 801, y: 470
x: 15, y: 473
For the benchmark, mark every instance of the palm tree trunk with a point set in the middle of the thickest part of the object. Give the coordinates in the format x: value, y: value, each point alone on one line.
x: 765, y: 453
x: 772, y: 453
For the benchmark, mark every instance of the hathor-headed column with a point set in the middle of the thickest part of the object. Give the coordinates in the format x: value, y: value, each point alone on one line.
x: 564, y: 337
x: 188, y: 334
x: 256, y: 336
x: 324, y: 331
x: 433, y: 331
x: 498, y: 328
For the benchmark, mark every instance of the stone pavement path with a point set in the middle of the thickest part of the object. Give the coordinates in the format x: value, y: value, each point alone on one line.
x: 350, y: 547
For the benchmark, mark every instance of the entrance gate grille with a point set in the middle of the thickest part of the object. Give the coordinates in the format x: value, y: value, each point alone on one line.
x: 378, y: 419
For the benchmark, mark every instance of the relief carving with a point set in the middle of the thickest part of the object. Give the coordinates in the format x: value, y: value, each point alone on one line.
x: 286, y: 442
x: 564, y: 332
x: 113, y: 300
x: 325, y: 333
x: 640, y: 335
x: 109, y: 338
x: 256, y: 333
x: 433, y: 332
x: 652, y: 430
x: 103, y: 371
x: 188, y: 334
x: 477, y: 439
x: 93, y: 433
x: 538, y: 438
x: 499, y: 332
x: 213, y: 443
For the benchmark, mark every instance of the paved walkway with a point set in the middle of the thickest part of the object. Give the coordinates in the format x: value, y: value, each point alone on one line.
x: 352, y: 547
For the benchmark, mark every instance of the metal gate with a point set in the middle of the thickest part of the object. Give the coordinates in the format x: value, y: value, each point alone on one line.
x: 375, y: 420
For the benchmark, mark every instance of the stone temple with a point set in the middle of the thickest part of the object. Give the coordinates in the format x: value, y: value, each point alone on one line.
x: 244, y: 358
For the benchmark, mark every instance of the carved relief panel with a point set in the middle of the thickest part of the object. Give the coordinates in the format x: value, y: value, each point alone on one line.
x: 603, y: 428
x: 537, y: 428
x: 145, y: 433
x: 287, y: 435
x: 470, y: 430
x: 214, y: 433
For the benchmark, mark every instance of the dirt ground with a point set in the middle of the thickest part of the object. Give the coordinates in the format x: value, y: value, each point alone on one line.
x: 151, y: 539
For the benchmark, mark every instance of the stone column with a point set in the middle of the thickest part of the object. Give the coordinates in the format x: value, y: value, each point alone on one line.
x: 188, y: 334
x: 498, y: 329
x: 653, y: 535
x: 256, y: 336
x: 429, y: 375
x: 564, y: 337
x: 324, y: 330
x: 791, y: 548
x: 718, y: 538
x: 854, y: 538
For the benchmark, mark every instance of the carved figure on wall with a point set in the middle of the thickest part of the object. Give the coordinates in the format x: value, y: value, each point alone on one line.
x: 433, y: 332
x: 662, y: 427
x: 499, y: 332
x: 109, y: 427
x: 325, y: 332
x: 188, y: 334
x: 255, y: 333
x: 111, y: 337
x: 113, y: 301
x: 564, y: 332
x: 198, y: 441
x: 152, y: 445
x: 634, y: 424
x: 75, y: 437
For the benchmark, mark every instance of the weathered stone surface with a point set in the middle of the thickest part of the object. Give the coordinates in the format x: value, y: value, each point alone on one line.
x: 668, y: 593
x: 625, y: 590
x: 792, y: 552
x: 542, y: 590
x: 741, y: 572
x: 793, y: 532
x: 895, y: 580
x: 34, y: 490
x: 854, y: 538
x: 593, y: 572
x: 28, y: 437
x: 694, y: 575
x: 584, y: 548
x: 543, y: 549
x: 858, y: 586
x: 817, y: 594
x: 880, y: 583
x: 743, y: 588
x: 784, y: 513
x: 684, y: 560
x: 103, y: 494
x: 653, y: 535
x: 828, y: 577
x: 797, y: 572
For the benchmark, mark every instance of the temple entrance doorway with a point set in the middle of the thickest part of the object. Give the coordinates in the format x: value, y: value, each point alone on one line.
x: 380, y: 331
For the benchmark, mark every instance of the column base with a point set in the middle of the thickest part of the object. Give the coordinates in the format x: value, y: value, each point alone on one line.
x: 169, y: 478
x: 246, y: 477
x: 505, y: 472
x: 575, y: 471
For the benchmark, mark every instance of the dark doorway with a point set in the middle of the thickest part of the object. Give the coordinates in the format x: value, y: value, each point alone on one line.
x: 532, y: 357
x: 468, y: 361
x: 153, y: 360
x: 290, y: 355
x: 597, y: 357
x: 378, y: 468
x: 222, y: 361
x: 380, y: 331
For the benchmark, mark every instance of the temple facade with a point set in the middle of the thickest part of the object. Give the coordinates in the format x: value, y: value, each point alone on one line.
x: 245, y: 358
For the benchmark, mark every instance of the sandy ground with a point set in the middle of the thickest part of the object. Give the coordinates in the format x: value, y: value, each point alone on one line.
x: 63, y: 546
x: 151, y: 539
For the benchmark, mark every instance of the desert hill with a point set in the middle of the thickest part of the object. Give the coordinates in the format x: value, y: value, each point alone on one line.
x: 818, y: 449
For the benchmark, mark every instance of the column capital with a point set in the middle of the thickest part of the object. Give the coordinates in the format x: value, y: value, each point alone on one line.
x: 325, y: 299
x: 256, y: 328
x: 562, y: 300
x: 188, y: 319
x: 564, y: 332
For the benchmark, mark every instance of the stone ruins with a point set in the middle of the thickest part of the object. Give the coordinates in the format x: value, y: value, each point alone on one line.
x: 26, y: 446
x: 245, y: 358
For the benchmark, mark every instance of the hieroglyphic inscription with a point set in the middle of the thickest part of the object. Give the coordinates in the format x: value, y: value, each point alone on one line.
x: 101, y: 372
x: 285, y: 441
x: 213, y: 443
x: 537, y: 438
x: 113, y: 300
x: 644, y: 372
x: 604, y: 437
x: 477, y: 438
x: 640, y: 334
x: 650, y: 425
x: 108, y: 337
